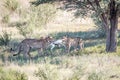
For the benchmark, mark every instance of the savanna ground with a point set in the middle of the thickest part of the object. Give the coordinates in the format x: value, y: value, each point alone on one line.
x: 91, y: 63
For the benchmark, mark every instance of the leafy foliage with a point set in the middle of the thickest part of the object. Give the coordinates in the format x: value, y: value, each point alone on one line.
x: 36, y: 18
x: 41, y: 14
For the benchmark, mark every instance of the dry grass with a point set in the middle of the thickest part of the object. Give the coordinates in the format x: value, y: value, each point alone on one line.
x: 66, y: 67
x: 107, y: 65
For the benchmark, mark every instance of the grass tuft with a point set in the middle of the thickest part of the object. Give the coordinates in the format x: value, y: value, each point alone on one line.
x: 11, y: 5
x: 12, y: 75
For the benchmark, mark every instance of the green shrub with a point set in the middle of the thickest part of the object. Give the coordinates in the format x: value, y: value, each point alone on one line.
x: 90, y: 50
x: 41, y: 15
x: 36, y: 18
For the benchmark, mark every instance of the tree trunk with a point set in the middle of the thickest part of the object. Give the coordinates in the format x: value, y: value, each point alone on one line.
x: 111, y: 32
x: 111, y: 39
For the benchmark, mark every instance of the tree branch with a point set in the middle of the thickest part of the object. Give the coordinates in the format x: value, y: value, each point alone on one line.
x: 91, y: 5
x: 118, y: 9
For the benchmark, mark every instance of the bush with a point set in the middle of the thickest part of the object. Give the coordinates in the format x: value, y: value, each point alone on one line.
x: 24, y: 31
x: 90, y: 50
x: 41, y: 15
x: 5, y: 38
x: 36, y: 18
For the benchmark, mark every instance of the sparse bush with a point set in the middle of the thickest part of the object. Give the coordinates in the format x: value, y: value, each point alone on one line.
x: 36, y: 18
x: 5, y: 38
x: 12, y: 75
x: 41, y: 15
x: 24, y: 31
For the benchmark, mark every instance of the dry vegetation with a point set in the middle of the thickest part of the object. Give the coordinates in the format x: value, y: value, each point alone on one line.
x: 85, y: 67
x: 92, y: 63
